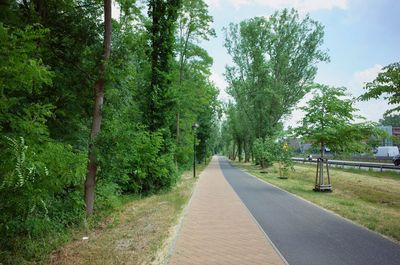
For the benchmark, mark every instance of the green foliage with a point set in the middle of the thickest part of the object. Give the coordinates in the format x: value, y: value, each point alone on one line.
x: 274, y: 65
x: 194, y: 25
x: 330, y: 121
x: 49, y: 57
x: 194, y: 22
x: 390, y: 120
x: 22, y: 76
x: 40, y: 190
x: 266, y: 151
x: 159, y: 96
x: 130, y: 157
x: 387, y: 83
x: 270, y: 150
x: 284, y: 158
x: 196, y: 98
x: 40, y: 175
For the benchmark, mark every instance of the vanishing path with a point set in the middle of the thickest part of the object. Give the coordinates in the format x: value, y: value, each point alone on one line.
x: 306, y: 234
x: 218, y: 229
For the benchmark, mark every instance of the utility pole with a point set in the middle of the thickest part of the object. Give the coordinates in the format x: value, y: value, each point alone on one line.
x: 194, y: 127
x: 205, y: 152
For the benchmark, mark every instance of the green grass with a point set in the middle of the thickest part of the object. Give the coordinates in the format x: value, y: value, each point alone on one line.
x: 369, y: 198
x: 138, y: 233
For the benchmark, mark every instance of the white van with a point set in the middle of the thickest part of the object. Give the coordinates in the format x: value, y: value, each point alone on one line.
x: 388, y: 151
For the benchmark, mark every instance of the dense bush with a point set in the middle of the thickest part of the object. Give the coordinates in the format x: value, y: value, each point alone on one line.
x: 40, y: 190
x: 265, y: 151
x: 50, y: 54
x: 268, y: 151
x: 129, y: 156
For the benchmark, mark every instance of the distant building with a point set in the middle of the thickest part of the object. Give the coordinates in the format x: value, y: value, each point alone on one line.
x: 391, y: 131
x: 388, y: 130
x: 396, y: 131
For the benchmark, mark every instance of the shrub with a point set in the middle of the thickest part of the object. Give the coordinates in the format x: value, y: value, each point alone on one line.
x: 265, y: 151
x: 268, y: 151
x: 40, y: 190
x: 130, y: 156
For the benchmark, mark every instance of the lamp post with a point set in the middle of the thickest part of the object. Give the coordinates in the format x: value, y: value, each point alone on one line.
x: 194, y: 127
x: 205, y: 152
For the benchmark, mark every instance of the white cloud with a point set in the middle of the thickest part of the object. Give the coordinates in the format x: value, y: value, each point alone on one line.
x: 213, y: 3
x: 301, y: 5
x: 372, y: 109
x: 297, y: 114
x: 115, y: 11
x: 360, y: 78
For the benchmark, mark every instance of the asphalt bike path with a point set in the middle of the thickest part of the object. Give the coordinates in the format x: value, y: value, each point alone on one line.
x: 304, y: 233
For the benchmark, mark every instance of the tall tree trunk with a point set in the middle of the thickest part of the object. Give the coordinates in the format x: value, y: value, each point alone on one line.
x: 234, y: 150
x: 246, y: 152
x: 177, y: 137
x: 177, y: 127
x: 182, y: 61
x: 263, y: 164
x: 90, y: 182
x: 240, y: 149
x: 322, y: 149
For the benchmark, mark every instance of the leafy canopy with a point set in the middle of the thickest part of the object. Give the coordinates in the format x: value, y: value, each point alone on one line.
x: 274, y: 64
x: 330, y: 121
x: 390, y: 120
x: 386, y: 83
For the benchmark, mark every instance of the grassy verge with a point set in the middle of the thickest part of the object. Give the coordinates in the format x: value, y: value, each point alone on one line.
x: 137, y: 233
x: 369, y: 198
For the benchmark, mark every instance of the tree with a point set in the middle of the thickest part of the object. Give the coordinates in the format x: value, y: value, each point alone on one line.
x: 51, y: 52
x: 390, y: 120
x: 329, y: 121
x: 160, y: 101
x: 90, y: 182
x: 193, y: 25
x: 387, y: 83
x: 41, y: 176
x: 22, y: 78
x: 274, y: 66
x: 284, y: 157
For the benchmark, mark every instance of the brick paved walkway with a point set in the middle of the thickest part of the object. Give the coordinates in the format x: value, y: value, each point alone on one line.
x: 218, y: 229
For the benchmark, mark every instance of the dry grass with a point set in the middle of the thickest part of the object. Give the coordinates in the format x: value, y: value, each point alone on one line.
x: 139, y: 233
x: 371, y: 199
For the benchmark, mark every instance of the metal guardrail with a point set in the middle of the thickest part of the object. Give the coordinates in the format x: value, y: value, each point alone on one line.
x: 356, y: 164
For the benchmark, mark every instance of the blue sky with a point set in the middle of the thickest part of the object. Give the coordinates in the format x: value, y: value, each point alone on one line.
x: 361, y: 37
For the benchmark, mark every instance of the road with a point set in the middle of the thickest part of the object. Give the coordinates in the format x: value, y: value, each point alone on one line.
x: 304, y: 233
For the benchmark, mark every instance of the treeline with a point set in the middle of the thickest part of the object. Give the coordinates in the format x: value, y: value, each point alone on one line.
x: 274, y: 64
x: 87, y: 98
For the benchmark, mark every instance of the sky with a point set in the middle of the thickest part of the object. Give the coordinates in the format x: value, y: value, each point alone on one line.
x: 361, y: 36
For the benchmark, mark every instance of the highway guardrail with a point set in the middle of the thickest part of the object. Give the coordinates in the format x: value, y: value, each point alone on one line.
x: 356, y: 164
